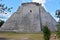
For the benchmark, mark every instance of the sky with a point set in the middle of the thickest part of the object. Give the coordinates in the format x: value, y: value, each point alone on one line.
x: 50, y: 6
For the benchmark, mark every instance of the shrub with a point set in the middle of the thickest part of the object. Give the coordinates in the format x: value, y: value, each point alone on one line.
x: 1, y: 23
x: 58, y: 31
x: 46, y: 33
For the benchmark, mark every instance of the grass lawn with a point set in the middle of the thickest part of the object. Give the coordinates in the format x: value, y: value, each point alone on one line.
x: 20, y: 36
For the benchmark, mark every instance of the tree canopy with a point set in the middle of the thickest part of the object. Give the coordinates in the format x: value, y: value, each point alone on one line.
x: 1, y: 22
x: 58, y: 13
x: 4, y: 8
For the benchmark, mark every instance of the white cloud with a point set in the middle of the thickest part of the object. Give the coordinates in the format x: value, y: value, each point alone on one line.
x: 40, y: 1
x: 4, y: 16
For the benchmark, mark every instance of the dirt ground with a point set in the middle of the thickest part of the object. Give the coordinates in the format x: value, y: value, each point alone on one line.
x: 20, y: 36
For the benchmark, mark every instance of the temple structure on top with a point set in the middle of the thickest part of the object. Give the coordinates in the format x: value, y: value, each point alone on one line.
x: 30, y: 17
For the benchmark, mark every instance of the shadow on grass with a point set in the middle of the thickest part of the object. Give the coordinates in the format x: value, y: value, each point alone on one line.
x: 12, y: 32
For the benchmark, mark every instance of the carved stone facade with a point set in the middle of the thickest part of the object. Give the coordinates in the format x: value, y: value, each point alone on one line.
x: 30, y: 17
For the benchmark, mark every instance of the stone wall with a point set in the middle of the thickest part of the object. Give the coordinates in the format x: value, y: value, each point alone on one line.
x: 30, y: 17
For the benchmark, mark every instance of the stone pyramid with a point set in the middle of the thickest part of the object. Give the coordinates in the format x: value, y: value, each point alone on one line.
x: 30, y: 17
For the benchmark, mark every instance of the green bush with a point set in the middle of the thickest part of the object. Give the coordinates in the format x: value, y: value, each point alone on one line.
x: 46, y: 33
x: 1, y: 23
x: 58, y: 31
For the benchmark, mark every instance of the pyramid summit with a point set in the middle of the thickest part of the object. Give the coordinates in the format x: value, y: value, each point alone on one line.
x: 30, y: 17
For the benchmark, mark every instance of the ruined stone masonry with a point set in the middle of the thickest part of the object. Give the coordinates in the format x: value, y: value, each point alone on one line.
x: 30, y: 17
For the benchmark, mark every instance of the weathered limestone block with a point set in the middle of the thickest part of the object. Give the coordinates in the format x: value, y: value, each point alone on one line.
x: 30, y: 17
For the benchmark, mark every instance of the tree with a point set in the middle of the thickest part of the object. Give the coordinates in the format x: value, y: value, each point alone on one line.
x: 46, y: 33
x: 58, y: 25
x: 4, y: 8
x: 1, y: 23
x: 58, y: 13
x: 58, y: 30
